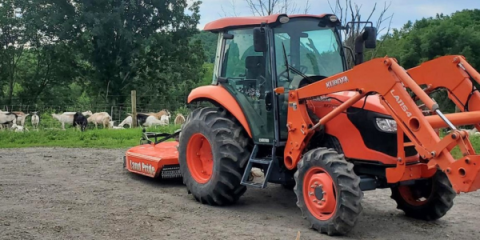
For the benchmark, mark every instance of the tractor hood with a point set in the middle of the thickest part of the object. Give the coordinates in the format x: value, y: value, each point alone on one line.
x: 333, y: 100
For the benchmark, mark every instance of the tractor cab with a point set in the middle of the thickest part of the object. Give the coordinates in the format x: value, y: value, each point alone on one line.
x: 258, y: 54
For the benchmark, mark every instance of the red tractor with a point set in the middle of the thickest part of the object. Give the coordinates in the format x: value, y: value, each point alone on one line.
x: 284, y: 101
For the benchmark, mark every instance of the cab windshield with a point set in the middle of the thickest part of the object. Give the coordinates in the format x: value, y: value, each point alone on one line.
x: 312, y: 49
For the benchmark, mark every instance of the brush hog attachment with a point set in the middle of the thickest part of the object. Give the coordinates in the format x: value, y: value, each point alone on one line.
x: 157, y: 158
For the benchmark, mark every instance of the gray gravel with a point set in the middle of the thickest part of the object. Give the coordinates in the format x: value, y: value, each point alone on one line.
x: 58, y: 193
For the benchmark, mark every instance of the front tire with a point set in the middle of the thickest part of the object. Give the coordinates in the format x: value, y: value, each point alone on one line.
x: 427, y: 200
x: 213, y: 152
x: 328, y: 191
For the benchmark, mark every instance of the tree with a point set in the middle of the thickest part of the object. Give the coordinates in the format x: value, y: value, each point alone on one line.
x: 209, y: 44
x: 268, y: 7
x: 12, y: 40
x: 429, y: 38
x: 350, y: 12
x: 118, y: 31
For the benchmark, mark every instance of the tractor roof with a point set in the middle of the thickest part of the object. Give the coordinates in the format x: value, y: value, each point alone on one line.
x: 236, y: 22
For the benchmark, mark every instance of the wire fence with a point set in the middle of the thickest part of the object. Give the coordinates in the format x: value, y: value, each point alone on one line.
x: 118, y: 112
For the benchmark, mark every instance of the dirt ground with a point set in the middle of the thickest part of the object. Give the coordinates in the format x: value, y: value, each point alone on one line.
x: 55, y: 193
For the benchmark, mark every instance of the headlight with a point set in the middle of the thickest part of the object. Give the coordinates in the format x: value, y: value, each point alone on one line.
x: 387, y: 125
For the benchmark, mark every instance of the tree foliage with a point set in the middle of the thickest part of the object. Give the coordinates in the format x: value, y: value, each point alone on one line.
x: 429, y: 38
x: 59, y: 51
x: 86, y: 52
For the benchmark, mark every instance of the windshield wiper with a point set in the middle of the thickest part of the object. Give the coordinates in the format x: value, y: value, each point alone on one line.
x: 294, y: 70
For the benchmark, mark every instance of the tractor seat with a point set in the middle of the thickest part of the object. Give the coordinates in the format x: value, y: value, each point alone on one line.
x: 255, y: 66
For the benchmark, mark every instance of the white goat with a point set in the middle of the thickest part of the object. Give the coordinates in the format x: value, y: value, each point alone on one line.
x: 165, y: 119
x: 67, y: 117
x: 21, y: 118
x: 35, y: 120
x: 7, y: 118
x: 474, y: 132
x: 63, y: 118
x: 128, y: 120
x: 470, y: 132
x: 18, y: 128
x: 100, y: 118
x: 153, y: 121
x: 116, y: 127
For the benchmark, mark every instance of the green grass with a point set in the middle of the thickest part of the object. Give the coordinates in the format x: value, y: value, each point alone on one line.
x: 475, y: 140
x: 71, y: 138
x: 104, y: 138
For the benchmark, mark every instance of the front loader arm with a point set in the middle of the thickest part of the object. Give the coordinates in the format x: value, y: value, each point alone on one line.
x: 456, y: 75
x: 388, y: 79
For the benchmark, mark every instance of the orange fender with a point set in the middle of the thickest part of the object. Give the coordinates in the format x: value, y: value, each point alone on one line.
x: 221, y: 96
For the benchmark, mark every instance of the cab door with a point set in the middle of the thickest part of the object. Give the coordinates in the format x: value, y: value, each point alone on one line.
x: 247, y: 76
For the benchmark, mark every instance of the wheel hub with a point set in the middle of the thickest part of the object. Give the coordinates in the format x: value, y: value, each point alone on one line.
x: 200, y: 158
x: 320, y: 195
x: 319, y: 192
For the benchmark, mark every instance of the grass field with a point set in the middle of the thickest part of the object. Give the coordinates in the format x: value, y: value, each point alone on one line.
x: 92, y: 138
x: 101, y: 138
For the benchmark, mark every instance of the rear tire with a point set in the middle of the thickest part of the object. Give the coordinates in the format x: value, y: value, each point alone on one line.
x: 437, y: 194
x: 328, y: 191
x: 288, y: 186
x: 219, y: 182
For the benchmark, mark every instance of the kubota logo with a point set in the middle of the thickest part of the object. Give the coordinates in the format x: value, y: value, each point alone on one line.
x: 401, y: 103
x: 336, y: 82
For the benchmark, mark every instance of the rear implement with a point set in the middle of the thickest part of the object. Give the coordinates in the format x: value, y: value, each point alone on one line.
x: 157, y: 158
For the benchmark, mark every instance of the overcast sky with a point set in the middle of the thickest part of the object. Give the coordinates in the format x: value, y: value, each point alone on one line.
x: 403, y: 10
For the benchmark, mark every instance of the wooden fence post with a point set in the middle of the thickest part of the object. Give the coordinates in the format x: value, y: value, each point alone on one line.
x: 134, y: 108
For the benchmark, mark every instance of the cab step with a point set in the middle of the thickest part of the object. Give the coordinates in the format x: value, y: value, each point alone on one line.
x: 257, y: 161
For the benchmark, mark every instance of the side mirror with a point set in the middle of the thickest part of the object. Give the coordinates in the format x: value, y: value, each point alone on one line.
x: 370, y: 37
x: 259, y: 39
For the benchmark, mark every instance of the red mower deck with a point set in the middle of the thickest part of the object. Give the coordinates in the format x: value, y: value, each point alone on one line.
x: 153, y: 160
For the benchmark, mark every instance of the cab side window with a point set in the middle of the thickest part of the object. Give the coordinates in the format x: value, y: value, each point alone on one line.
x: 249, y: 79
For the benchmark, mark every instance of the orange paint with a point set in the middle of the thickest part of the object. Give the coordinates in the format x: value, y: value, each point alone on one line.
x: 465, y: 118
x: 220, y: 95
x: 200, y: 158
x: 149, y: 159
x: 408, y: 196
x: 346, y: 132
x: 250, y: 21
x: 385, y: 77
x: 452, y: 73
x: 314, y: 178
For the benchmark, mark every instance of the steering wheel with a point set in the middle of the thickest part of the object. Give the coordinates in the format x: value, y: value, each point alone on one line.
x: 285, y: 74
